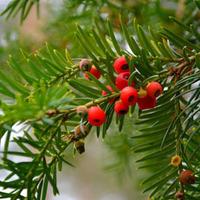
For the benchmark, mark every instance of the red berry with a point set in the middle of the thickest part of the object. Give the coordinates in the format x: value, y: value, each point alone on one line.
x: 121, y: 80
x: 104, y: 93
x: 94, y: 71
x: 129, y: 95
x: 154, y: 89
x: 146, y: 102
x: 120, y: 108
x: 187, y: 177
x: 121, y: 65
x: 96, y: 116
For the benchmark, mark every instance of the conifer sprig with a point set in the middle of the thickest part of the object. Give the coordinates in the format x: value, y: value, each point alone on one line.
x: 46, y: 95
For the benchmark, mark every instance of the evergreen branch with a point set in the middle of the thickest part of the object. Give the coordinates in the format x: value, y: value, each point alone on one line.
x: 89, y: 104
x: 33, y: 190
x: 66, y: 75
x: 49, y: 106
x: 41, y: 154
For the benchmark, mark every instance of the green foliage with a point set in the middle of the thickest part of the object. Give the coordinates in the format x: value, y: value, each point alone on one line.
x: 85, y: 13
x: 20, y: 6
x: 166, y: 129
x: 46, y: 88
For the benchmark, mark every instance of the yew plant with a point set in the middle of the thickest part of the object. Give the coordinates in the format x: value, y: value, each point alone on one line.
x: 58, y: 100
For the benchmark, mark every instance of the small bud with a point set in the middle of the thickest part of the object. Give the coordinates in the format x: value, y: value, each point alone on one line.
x: 80, y: 146
x: 80, y: 131
x: 85, y: 65
x: 52, y: 112
x: 187, y: 177
x: 179, y: 195
x: 176, y: 160
x: 81, y: 110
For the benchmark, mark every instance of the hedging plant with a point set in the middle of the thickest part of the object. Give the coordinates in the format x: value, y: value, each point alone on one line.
x: 59, y: 100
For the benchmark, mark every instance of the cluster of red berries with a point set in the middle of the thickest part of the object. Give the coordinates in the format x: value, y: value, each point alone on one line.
x: 129, y: 96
